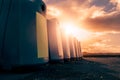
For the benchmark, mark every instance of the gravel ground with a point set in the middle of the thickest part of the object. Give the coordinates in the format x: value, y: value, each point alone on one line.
x: 90, y: 68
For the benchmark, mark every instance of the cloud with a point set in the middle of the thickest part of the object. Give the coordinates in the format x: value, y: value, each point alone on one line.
x: 69, y: 8
x: 95, y: 15
x: 107, y: 42
x: 104, y: 23
x: 117, y: 3
x: 104, y: 19
x: 100, y: 16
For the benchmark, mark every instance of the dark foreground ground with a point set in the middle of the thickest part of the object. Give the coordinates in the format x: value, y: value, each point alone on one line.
x: 90, y: 68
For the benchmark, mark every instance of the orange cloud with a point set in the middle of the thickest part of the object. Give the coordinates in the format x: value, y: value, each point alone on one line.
x: 100, y: 16
x: 95, y: 15
x: 103, y: 23
x: 105, y: 42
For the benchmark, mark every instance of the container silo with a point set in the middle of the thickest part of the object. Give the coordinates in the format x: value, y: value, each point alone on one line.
x: 65, y: 44
x: 80, y: 52
x: 23, y: 33
x: 55, y: 41
x: 72, y: 48
x: 76, y: 48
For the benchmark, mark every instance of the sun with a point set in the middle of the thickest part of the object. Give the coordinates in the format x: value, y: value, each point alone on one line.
x: 72, y: 29
x: 68, y: 28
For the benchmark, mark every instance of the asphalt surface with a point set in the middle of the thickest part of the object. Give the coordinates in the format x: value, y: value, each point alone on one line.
x: 90, y: 68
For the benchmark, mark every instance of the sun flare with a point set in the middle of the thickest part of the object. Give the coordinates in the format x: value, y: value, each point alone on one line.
x: 72, y: 29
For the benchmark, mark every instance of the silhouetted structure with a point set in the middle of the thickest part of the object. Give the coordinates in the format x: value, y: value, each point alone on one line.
x: 65, y: 44
x: 28, y: 38
x: 23, y: 33
x: 55, y: 41
x: 72, y: 48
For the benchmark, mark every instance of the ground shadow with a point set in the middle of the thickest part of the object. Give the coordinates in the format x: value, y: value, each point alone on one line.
x: 77, y: 70
x: 74, y: 70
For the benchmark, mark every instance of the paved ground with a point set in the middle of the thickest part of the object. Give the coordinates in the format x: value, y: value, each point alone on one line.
x: 93, y: 68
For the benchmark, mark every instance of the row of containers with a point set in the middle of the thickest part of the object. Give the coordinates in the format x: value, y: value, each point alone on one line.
x: 62, y: 46
x: 28, y: 38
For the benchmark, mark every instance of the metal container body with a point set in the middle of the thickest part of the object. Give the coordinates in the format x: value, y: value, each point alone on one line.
x: 65, y: 44
x: 72, y: 48
x: 76, y: 48
x: 23, y: 33
x: 80, y: 52
x: 55, y: 41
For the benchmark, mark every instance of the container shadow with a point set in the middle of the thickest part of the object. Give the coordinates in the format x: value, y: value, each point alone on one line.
x: 74, y: 70
x: 77, y: 70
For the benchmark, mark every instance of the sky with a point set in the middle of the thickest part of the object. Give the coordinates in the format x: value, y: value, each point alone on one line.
x: 97, y: 22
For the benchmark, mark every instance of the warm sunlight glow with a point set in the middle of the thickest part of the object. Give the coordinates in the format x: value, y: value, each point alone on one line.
x: 54, y: 11
x: 69, y: 29
x: 84, y: 34
x: 76, y: 31
x: 97, y: 13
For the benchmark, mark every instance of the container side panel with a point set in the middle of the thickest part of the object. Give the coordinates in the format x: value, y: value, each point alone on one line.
x: 42, y: 38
